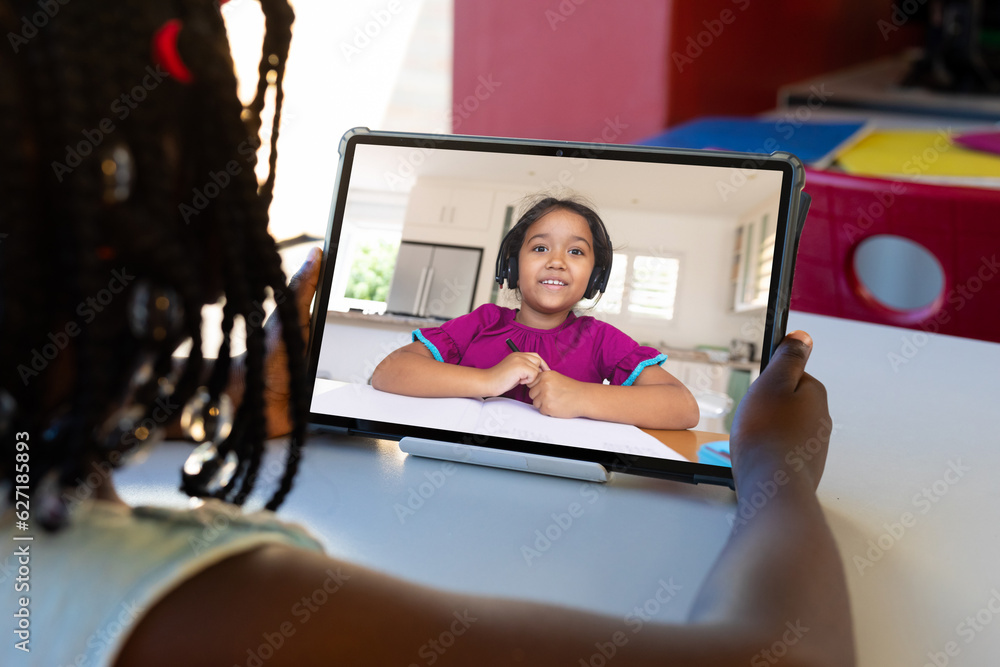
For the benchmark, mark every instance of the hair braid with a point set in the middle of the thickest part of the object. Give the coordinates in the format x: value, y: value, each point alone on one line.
x: 277, y: 35
x: 248, y: 431
x: 233, y: 211
x: 79, y: 205
x: 274, y: 56
x: 22, y: 280
x: 299, y: 400
x: 69, y: 238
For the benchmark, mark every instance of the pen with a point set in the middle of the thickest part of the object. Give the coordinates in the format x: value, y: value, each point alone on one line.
x: 513, y: 348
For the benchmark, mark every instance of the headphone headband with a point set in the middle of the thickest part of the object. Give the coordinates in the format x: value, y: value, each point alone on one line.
x: 507, y: 269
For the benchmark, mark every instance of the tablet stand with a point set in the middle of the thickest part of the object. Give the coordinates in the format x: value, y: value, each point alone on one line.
x: 499, y: 458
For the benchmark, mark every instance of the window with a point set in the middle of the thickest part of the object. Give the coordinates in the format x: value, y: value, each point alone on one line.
x: 752, y: 260
x: 372, y: 259
x: 654, y: 286
x: 641, y: 286
x: 765, y: 259
x: 372, y: 230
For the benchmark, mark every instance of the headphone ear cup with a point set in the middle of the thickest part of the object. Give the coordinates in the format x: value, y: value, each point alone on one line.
x: 598, y: 282
x: 500, y: 273
x: 506, y: 269
x: 512, y: 272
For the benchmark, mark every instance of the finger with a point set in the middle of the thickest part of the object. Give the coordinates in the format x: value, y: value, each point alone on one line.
x: 303, y: 285
x: 538, y: 361
x: 531, y: 361
x: 309, y: 271
x: 788, y: 363
x: 304, y: 282
x: 531, y: 377
x: 535, y: 359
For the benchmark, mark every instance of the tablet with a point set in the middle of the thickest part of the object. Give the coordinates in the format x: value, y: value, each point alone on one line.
x: 703, y: 254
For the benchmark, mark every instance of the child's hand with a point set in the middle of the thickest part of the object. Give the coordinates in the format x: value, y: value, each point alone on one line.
x: 276, y: 379
x: 516, y: 368
x: 556, y: 395
x: 783, y: 421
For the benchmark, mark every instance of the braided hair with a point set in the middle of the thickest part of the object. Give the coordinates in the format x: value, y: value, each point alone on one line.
x: 78, y: 86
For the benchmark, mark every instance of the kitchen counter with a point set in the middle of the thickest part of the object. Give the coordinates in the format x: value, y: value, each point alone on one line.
x: 360, y: 318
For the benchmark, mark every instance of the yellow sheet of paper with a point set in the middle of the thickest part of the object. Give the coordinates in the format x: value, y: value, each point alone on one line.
x: 916, y: 153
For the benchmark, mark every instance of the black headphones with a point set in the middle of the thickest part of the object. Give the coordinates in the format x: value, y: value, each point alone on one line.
x: 507, y: 269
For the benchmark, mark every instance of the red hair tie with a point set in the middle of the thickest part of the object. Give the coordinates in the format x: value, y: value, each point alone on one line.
x: 165, y: 52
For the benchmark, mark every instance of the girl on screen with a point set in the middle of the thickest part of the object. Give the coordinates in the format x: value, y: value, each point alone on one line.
x: 542, y: 353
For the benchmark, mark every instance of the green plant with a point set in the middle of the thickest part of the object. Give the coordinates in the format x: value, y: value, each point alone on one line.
x: 371, y: 270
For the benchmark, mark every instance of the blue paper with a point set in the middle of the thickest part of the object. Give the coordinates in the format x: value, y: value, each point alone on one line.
x: 715, y: 453
x: 810, y: 142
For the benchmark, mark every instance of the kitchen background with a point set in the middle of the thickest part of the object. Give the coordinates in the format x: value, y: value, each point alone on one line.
x: 693, y: 245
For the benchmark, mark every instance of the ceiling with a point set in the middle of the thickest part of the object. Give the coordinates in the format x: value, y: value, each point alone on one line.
x: 647, y: 186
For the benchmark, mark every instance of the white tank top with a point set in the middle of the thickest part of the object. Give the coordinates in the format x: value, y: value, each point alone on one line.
x: 86, y: 587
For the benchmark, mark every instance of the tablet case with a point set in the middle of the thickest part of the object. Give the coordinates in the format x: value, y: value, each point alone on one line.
x: 515, y: 454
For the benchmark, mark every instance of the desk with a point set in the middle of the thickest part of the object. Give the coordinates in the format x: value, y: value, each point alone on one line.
x: 685, y: 443
x: 899, y: 431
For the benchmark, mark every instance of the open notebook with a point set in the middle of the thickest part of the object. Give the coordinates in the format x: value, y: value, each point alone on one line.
x: 496, y: 416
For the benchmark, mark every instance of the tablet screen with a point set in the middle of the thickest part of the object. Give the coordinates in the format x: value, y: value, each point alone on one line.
x: 415, y: 230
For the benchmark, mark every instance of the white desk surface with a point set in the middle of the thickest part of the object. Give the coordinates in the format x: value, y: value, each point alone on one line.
x: 898, y: 432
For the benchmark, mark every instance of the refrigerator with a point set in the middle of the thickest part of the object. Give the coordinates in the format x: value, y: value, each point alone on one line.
x: 433, y: 280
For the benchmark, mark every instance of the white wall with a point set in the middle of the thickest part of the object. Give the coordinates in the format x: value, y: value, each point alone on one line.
x: 702, y: 313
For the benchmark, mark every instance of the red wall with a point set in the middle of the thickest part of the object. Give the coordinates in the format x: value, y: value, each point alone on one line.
x: 567, y: 69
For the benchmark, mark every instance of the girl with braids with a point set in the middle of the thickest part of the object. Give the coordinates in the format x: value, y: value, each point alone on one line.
x: 128, y: 201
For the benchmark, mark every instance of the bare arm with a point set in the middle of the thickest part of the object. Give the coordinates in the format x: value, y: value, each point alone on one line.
x: 781, y: 568
x: 779, y: 581
x: 305, y: 609
x: 656, y: 400
x: 411, y: 370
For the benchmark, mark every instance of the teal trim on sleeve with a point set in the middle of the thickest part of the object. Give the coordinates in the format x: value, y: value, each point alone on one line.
x: 417, y: 336
x: 657, y: 360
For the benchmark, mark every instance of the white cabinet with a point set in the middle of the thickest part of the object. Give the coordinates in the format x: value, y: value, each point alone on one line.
x: 433, y: 205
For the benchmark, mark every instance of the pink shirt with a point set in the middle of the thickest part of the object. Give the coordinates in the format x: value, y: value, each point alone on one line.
x: 582, y: 348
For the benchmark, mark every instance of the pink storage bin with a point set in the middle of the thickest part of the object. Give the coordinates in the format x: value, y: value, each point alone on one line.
x: 959, y: 226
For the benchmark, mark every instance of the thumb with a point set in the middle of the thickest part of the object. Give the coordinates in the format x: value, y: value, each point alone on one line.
x: 303, y: 283
x: 788, y: 363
